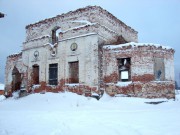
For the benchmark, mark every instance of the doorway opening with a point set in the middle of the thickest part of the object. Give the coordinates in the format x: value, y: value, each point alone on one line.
x: 16, y: 80
x: 35, y: 74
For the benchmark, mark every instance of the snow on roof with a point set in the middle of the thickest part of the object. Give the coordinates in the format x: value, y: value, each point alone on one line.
x: 83, y: 35
x: 51, y: 45
x: 81, y: 21
x: 15, y: 54
x: 58, y: 31
x: 43, y: 36
x: 87, y: 23
x: 133, y: 44
x: 1, y: 86
x: 108, y: 28
x: 88, y: 8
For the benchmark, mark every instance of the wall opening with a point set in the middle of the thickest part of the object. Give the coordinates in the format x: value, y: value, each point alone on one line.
x: 55, y: 34
x: 35, y: 74
x: 124, y: 69
x: 74, y: 72
x: 159, y: 71
x: 16, y: 80
x: 53, y: 74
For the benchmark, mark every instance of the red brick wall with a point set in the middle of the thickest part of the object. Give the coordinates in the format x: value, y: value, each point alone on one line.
x: 1, y: 92
x: 61, y: 87
x: 142, y: 71
x: 145, y: 90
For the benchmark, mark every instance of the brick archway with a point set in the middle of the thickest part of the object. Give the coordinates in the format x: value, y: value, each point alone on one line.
x: 16, y: 79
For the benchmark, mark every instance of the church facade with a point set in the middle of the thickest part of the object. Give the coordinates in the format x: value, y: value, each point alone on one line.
x: 89, y: 51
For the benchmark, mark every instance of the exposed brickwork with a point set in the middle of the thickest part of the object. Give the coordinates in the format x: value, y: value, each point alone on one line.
x: 64, y: 86
x: 156, y: 90
x: 142, y: 70
x: 145, y: 90
x: 13, y: 63
x: 113, y: 90
x: 43, y: 86
x: 111, y: 78
x: 82, y: 89
x: 143, y: 78
x: 149, y: 68
x: 104, y: 23
x: 127, y: 90
x: 79, y: 89
x: 1, y: 92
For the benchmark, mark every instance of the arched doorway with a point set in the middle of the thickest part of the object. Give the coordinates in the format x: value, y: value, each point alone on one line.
x: 35, y: 74
x: 16, y: 80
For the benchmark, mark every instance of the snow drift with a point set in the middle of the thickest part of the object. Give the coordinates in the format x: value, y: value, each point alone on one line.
x: 71, y: 114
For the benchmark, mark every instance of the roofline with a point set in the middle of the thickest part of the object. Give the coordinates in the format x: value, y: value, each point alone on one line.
x: 79, y: 10
x: 14, y: 55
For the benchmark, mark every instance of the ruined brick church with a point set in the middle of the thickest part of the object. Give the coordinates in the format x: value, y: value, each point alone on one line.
x: 89, y: 51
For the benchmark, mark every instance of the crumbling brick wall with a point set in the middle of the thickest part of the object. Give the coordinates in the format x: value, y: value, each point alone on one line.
x: 74, y: 23
x: 83, y: 22
x: 14, y: 62
x: 144, y: 82
x: 151, y: 71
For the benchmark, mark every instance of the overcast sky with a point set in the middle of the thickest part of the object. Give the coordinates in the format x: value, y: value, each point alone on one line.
x: 157, y: 21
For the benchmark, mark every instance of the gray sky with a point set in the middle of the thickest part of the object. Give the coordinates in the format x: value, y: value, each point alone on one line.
x: 157, y: 21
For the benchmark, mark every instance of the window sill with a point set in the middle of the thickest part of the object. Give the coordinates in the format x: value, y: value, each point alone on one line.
x: 123, y: 84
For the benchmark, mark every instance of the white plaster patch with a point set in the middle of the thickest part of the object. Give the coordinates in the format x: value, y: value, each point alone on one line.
x: 123, y: 84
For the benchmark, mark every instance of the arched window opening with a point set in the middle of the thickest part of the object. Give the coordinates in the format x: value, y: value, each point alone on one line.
x: 16, y: 79
x: 35, y: 76
x: 55, y: 34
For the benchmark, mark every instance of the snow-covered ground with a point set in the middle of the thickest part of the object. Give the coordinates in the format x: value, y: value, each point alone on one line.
x: 71, y: 114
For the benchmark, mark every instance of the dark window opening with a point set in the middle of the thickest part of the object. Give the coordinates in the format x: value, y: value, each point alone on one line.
x: 53, y: 74
x: 16, y: 80
x: 35, y: 74
x: 124, y: 67
x: 54, y: 37
x: 74, y: 72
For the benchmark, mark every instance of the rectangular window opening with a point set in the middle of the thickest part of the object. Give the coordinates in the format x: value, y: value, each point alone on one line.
x: 159, y: 71
x: 35, y: 74
x: 124, y: 68
x: 53, y: 74
x: 74, y: 72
